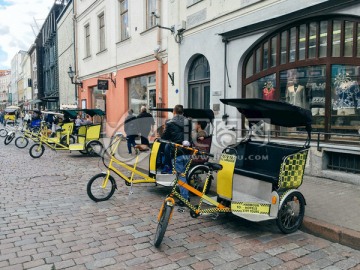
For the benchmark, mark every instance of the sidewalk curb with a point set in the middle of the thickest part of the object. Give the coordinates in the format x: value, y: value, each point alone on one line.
x: 334, y: 233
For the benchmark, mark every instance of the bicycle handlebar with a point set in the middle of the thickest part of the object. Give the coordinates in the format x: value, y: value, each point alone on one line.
x: 195, y: 150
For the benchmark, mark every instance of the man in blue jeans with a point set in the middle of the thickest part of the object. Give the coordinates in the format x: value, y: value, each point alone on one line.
x: 174, y: 132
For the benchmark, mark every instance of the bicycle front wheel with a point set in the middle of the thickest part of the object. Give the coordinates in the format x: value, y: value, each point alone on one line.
x: 9, y: 138
x: 37, y: 150
x: 21, y: 142
x: 3, y: 132
x: 96, y: 189
x: 162, y: 225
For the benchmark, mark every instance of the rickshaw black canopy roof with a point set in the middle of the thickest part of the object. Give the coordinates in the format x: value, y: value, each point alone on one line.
x: 91, y: 112
x: 191, y: 113
x: 278, y: 113
x: 10, y: 110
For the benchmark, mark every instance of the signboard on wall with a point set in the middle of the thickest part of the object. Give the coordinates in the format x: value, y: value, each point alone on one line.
x: 103, y: 84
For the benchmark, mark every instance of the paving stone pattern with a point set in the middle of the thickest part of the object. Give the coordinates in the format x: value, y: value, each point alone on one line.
x: 48, y: 222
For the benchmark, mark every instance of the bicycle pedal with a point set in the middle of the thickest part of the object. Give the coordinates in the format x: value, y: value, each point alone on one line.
x: 214, y: 216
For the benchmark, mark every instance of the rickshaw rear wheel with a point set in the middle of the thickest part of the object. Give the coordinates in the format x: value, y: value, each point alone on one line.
x: 3, y: 132
x: 95, y: 190
x: 71, y: 140
x: 21, y: 142
x: 9, y: 138
x: 162, y: 225
x: 35, y: 151
x: 291, y: 213
x: 197, y: 176
x: 94, y: 148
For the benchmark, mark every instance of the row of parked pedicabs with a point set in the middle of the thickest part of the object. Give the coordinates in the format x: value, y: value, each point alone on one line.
x: 86, y: 140
x: 256, y: 179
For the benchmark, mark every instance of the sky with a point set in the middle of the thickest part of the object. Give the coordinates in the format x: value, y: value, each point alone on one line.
x: 17, y: 21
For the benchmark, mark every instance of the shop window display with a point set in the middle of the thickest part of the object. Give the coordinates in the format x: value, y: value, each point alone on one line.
x: 345, y: 99
x: 314, y: 64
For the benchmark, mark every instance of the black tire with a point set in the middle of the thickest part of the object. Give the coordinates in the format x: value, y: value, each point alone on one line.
x: 9, y: 138
x: 162, y: 225
x: 197, y: 176
x: 95, y: 190
x: 3, y: 132
x: 71, y: 140
x: 83, y: 152
x: 94, y: 148
x: 21, y: 142
x: 36, y: 150
x: 291, y: 213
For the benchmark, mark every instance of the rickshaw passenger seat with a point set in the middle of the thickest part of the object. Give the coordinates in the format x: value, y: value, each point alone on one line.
x: 214, y: 166
x: 262, y: 161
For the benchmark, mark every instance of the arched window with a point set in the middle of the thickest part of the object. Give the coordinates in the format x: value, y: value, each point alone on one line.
x: 199, y: 83
x: 314, y: 64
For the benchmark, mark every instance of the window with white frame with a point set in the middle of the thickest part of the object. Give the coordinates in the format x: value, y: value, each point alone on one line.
x: 101, y: 32
x: 124, y: 19
x: 150, y: 18
x: 87, y: 40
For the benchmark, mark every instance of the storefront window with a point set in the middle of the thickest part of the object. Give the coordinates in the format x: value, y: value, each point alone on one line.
x: 336, y: 38
x: 257, y: 63
x: 139, y: 88
x: 323, y: 39
x: 312, y: 40
x: 349, y: 39
x: 358, y: 40
x: 345, y: 95
x: 330, y: 91
x: 264, y: 88
x: 283, y: 47
x: 250, y: 67
x: 266, y: 55
x: 292, y: 44
x: 302, y: 41
x: 273, y: 51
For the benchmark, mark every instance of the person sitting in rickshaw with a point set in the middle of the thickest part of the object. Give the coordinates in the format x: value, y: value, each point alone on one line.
x: 174, y: 132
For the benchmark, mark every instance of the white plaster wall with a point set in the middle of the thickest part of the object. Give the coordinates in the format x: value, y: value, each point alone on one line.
x: 65, y: 40
x: 139, y: 48
x: 26, y: 69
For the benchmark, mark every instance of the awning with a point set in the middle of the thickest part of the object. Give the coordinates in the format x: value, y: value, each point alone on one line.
x: 36, y: 101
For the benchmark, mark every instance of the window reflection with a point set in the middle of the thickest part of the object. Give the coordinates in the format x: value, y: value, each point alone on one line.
x: 345, y: 98
x: 348, y: 46
x: 323, y: 39
x: 336, y: 38
x: 264, y: 88
x: 312, y: 40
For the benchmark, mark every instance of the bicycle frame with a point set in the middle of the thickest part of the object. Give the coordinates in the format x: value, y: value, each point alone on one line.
x: 218, y: 207
x: 128, y: 179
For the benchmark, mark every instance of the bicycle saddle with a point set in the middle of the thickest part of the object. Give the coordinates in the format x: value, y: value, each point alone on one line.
x: 214, y: 166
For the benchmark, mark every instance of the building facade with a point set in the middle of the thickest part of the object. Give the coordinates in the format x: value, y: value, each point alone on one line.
x: 119, y: 42
x: 27, y: 82
x: 5, y: 79
x: 16, y: 70
x: 49, y: 56
x: 302, y: 52
x: 66, y: 55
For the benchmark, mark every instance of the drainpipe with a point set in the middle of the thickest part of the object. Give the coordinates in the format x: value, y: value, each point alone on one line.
x: 226, y: 76
x: 158, y: 42
x: 75, y: 50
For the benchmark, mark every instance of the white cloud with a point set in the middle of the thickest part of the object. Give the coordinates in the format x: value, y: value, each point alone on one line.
x: 16, y: 22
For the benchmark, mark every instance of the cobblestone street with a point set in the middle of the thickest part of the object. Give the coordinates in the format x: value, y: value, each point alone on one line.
x: 47, y: 221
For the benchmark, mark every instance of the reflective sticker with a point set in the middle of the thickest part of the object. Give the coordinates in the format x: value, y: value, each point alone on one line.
x: 153, y: 156
x: 252, y: 208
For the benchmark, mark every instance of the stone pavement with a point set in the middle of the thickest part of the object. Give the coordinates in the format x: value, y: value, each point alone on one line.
x: 47, y: 221
x: 332, y: 210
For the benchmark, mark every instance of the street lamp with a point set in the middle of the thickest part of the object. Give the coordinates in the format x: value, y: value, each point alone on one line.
x: 72, y: 75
